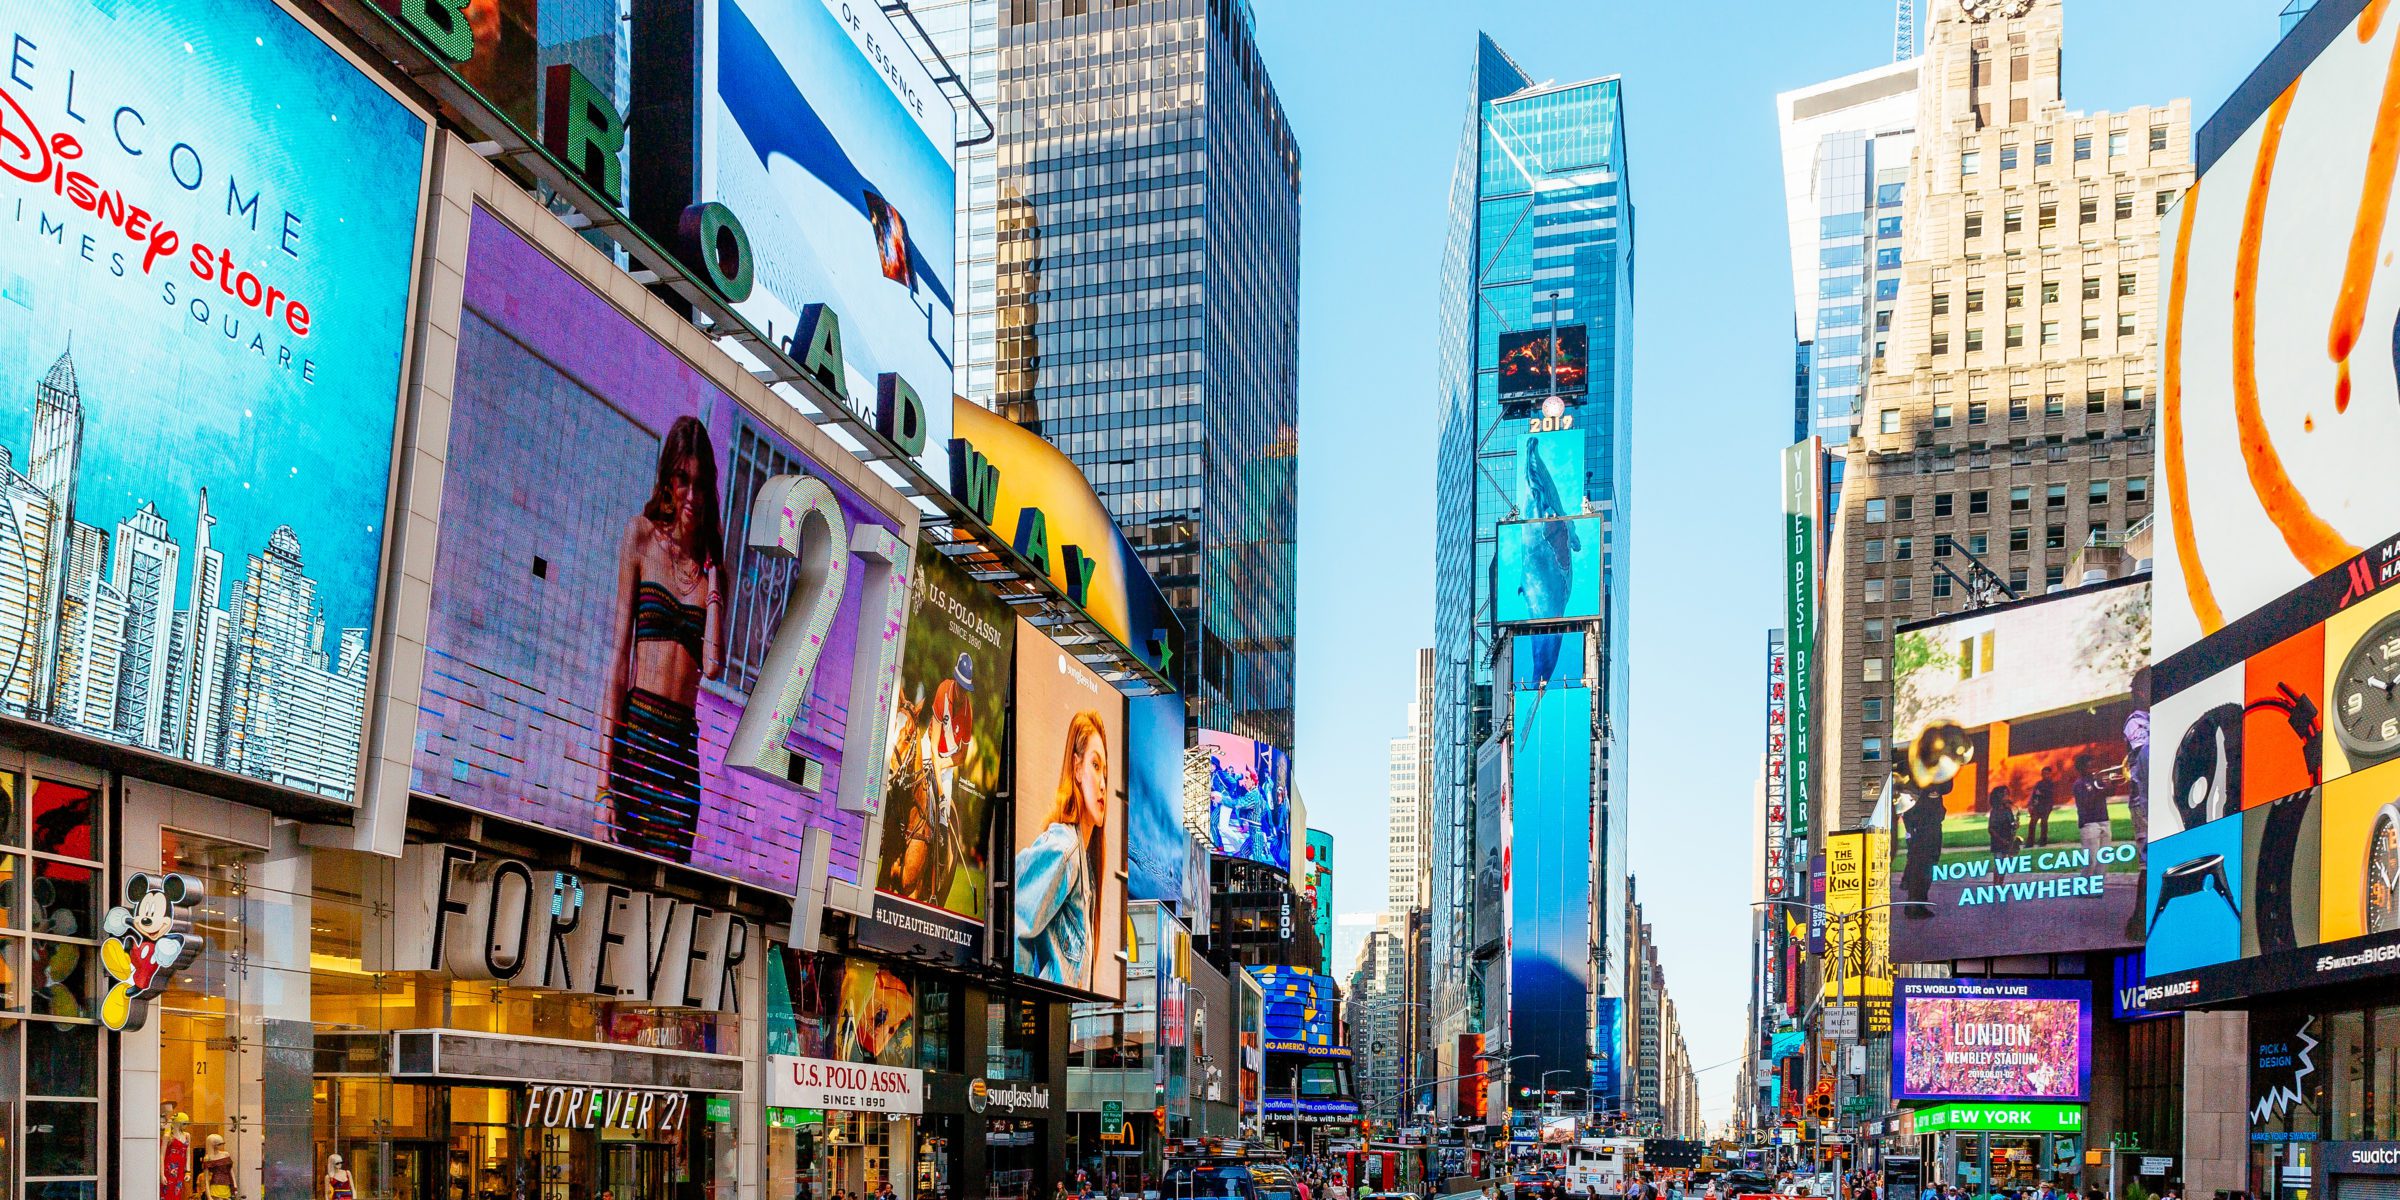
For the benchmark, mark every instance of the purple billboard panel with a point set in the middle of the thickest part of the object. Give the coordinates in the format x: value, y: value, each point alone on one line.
x: 602, y: 617
x: 1992, y: 1039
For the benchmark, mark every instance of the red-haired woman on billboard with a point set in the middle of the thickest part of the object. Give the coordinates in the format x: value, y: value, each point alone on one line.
x: 1059, y: 874
x: 670, y: 624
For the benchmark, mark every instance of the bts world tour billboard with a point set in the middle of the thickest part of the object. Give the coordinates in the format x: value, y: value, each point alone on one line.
x: 204, y: 312
x: 1993, y: 1039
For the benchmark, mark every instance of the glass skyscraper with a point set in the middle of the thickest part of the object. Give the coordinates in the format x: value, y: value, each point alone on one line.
x: 1530, y: 598
x: 1846, y: 148
x: 1131, y: 249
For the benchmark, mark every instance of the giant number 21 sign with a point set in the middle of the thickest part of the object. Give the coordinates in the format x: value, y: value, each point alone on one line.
x: 685, y: 644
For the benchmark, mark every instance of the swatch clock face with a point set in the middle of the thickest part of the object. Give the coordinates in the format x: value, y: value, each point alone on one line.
x: 2383, y: 871
x: 2366, y: 695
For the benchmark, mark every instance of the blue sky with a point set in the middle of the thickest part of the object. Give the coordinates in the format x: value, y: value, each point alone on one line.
x: 1376, y: 93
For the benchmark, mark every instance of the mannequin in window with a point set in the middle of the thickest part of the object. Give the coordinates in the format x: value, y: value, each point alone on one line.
x: 337, y: 1179
x: 175, y: 1157
x: 216, y: 1170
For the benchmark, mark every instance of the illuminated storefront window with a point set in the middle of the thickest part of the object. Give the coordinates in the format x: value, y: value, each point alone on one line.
x: 51, y: 1085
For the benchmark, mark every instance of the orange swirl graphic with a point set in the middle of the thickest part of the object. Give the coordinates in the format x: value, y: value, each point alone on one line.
x: 2310, y: 539
x: 2369, y: 18
x: 2170, y: 432
x: 2366, y: 236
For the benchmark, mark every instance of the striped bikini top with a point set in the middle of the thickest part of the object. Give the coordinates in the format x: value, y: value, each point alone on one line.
x: 659, y: 617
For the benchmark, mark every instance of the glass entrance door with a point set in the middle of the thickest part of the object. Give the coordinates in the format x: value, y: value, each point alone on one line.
x: 419, y: 1171
x: 633, y: 1171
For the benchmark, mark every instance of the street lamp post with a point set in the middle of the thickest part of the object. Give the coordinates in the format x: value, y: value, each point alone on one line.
x: 1546, y: 1084
x: 1841, y: 977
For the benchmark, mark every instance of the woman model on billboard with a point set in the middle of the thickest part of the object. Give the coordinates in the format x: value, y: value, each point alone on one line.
x: 670, y: 624
x: 931, y: 739
x: 1058, y: 875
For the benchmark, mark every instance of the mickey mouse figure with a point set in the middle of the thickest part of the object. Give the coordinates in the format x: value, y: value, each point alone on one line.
x: 145, y: 945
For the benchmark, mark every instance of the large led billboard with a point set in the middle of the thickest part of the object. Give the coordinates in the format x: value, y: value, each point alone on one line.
x: 2275, y: 855
x: 2020, y: 741
x: 1992, y: 1039
x: 1040, y: 500
x: 2278, y: 406
x: 1157, y: 848
x: 1549, y: 553
x: 1542, y: 362
x: 948, y: 734
x: 1068, y: 903
x: 1302, y: 1013
x: 214, y: 223
x: 598, y: 635
x: 2275, y: 809
x: 822, y: 130
x: 1249, y: 799
x: 1549, y: 870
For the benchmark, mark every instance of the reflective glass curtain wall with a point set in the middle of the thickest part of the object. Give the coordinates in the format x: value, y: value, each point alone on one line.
x: 1146, y: 214
x: 1540, y: 238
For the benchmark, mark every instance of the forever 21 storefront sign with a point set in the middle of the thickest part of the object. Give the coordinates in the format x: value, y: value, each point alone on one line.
x: 794, y: 1082
x: 473, y: 917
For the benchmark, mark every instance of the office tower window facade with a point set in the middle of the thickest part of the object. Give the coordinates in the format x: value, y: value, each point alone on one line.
x: 1129, y: 244
x: 1534, y: 347
x: 2011, y: 417
x: 1846, y: 148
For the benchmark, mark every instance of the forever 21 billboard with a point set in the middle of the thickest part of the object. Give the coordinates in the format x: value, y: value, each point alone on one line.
x: 211, y: 227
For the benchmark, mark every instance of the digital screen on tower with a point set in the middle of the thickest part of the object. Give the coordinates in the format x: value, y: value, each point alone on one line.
x: 1549, y: 555
x: 1539, y: 362
x: 201, y: 351
x: 1157, y: 850
x: 1992, y: 1039
x: 2274, y: 861
x: 1249, y: 799
x: 1302, y: 1014
x: 1549, y: 863
x: 948, y: 737
x: 1068, y: 902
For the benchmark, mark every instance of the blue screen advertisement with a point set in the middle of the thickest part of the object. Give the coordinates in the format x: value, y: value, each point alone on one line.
x: 1302, y: 1012
x: 1156, y: 845
x: 1604, y: 1049
x: 1550, y: 863
x: 204, y: 312
x: 1548, y: 564
x: 824, y: 131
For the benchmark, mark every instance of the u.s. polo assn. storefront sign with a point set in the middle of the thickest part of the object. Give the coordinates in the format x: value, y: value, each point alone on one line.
x: 794, y: 1082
